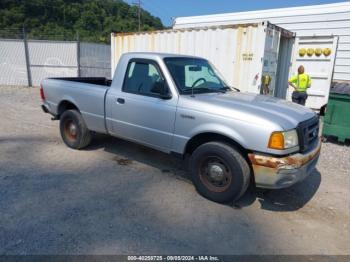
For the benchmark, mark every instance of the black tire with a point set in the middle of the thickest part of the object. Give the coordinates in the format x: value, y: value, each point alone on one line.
x: 73, y: 130
x: 219, y: 172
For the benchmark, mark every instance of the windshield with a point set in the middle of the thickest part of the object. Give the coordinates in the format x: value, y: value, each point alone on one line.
x: 195, y: 75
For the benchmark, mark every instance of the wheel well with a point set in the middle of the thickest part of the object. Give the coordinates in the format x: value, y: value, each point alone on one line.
x: 200, y: 139
x: 65, y: 105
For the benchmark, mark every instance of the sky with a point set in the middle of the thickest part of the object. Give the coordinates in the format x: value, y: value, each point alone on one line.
x: 166, y: 9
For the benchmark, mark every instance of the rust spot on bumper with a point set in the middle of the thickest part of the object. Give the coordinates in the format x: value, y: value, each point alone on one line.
x: 279, y: 172
x: 296, y: 160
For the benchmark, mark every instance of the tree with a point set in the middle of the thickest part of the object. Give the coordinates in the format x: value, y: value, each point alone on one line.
x: 94, y: 20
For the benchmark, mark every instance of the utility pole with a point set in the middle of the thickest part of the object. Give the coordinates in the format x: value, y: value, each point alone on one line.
x: 138, y: 4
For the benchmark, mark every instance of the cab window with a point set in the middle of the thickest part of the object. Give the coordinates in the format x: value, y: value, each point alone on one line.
x: 142, y: 77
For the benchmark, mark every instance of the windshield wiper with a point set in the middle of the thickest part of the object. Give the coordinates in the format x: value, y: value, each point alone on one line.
x: 226, y: 88
x: 230, y: 88
x: 204, y: 89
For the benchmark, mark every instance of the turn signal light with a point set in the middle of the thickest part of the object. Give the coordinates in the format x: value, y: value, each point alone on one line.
x: 276, y: 140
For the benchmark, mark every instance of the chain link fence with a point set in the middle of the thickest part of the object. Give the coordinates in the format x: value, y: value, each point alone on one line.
x: 26, y: 62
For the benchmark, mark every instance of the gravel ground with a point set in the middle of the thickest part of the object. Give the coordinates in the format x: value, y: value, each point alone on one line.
x: 116, y: 197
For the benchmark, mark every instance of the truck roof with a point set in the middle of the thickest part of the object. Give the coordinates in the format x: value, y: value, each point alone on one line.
x: 157, y: 55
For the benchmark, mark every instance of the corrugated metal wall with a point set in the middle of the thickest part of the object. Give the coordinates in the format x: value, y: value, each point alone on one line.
x: 13, y: 70
x: 95, y: 60
x: 304, y: 21
x: 51, y: 59
x: 235, y: 51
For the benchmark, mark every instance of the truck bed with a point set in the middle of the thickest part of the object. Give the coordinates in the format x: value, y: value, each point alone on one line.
x: 85, y: 93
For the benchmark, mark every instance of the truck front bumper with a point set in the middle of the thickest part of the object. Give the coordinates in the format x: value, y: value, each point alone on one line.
x: 280, y: 172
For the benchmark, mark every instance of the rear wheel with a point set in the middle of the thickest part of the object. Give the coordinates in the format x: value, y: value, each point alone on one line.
x: 219, y: 172
x: 73, y: 130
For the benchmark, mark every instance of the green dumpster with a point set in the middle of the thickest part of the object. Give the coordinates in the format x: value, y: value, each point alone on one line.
x: 337, y: 118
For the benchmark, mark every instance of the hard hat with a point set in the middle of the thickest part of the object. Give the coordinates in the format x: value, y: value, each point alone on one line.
x: 310, y: 51
x: 327, y: 51
x: 302, y: 51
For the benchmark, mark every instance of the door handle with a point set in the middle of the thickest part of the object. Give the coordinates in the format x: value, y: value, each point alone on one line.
x: 120, y: 100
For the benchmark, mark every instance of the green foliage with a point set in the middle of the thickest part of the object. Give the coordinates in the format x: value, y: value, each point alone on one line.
x: 93, y: 20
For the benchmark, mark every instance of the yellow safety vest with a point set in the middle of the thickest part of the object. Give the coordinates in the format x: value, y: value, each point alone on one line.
x: 302, y: 81
x: 266, y: 80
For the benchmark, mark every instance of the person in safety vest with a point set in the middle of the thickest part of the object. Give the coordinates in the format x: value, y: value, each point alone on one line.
x: 300, y: 83
x: 266, y: 80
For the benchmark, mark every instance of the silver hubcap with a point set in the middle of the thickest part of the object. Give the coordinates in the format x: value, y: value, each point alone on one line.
x: 216, y: 172
x: 72, y: 129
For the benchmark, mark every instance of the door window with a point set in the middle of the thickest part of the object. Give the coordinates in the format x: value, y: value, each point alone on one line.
x: 142, y: 78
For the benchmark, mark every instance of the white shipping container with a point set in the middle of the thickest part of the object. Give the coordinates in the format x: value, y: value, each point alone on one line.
x: 243, y: 53
x: 306, y: 21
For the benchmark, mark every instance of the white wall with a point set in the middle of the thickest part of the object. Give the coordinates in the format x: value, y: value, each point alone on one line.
x: 304, y: 21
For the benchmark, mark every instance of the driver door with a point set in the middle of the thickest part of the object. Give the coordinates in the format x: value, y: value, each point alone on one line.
x: 141, y: 115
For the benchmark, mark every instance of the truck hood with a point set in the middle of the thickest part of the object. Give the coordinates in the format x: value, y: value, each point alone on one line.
x: 250, y: 108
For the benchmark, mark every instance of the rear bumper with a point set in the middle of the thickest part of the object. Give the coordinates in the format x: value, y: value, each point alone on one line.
x: 275, y: 172
x: 45, y: 109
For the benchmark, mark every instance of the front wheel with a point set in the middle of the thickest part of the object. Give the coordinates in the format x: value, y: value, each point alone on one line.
x: 74, y: 131
x: 219, y: 172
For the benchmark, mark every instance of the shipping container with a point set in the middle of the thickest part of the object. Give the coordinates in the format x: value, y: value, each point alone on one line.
x: 320, y: 25
x: 245, y: 54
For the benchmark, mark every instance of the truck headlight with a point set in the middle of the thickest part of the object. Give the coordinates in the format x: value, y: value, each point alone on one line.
x: 283, y: 139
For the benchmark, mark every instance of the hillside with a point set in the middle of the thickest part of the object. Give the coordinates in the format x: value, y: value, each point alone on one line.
x: 94, y: 20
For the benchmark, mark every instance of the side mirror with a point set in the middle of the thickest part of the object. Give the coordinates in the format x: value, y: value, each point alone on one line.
x: 161, y: 89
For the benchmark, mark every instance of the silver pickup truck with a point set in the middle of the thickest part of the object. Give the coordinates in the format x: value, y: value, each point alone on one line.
x: 181, y: 104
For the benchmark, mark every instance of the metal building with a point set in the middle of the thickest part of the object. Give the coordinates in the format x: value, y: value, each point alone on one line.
x: 332, y: 20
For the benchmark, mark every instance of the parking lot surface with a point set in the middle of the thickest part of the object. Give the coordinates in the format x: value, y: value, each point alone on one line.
x: 116, y: 197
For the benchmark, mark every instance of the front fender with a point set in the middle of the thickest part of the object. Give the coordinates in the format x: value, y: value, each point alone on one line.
x: 220, y: 130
